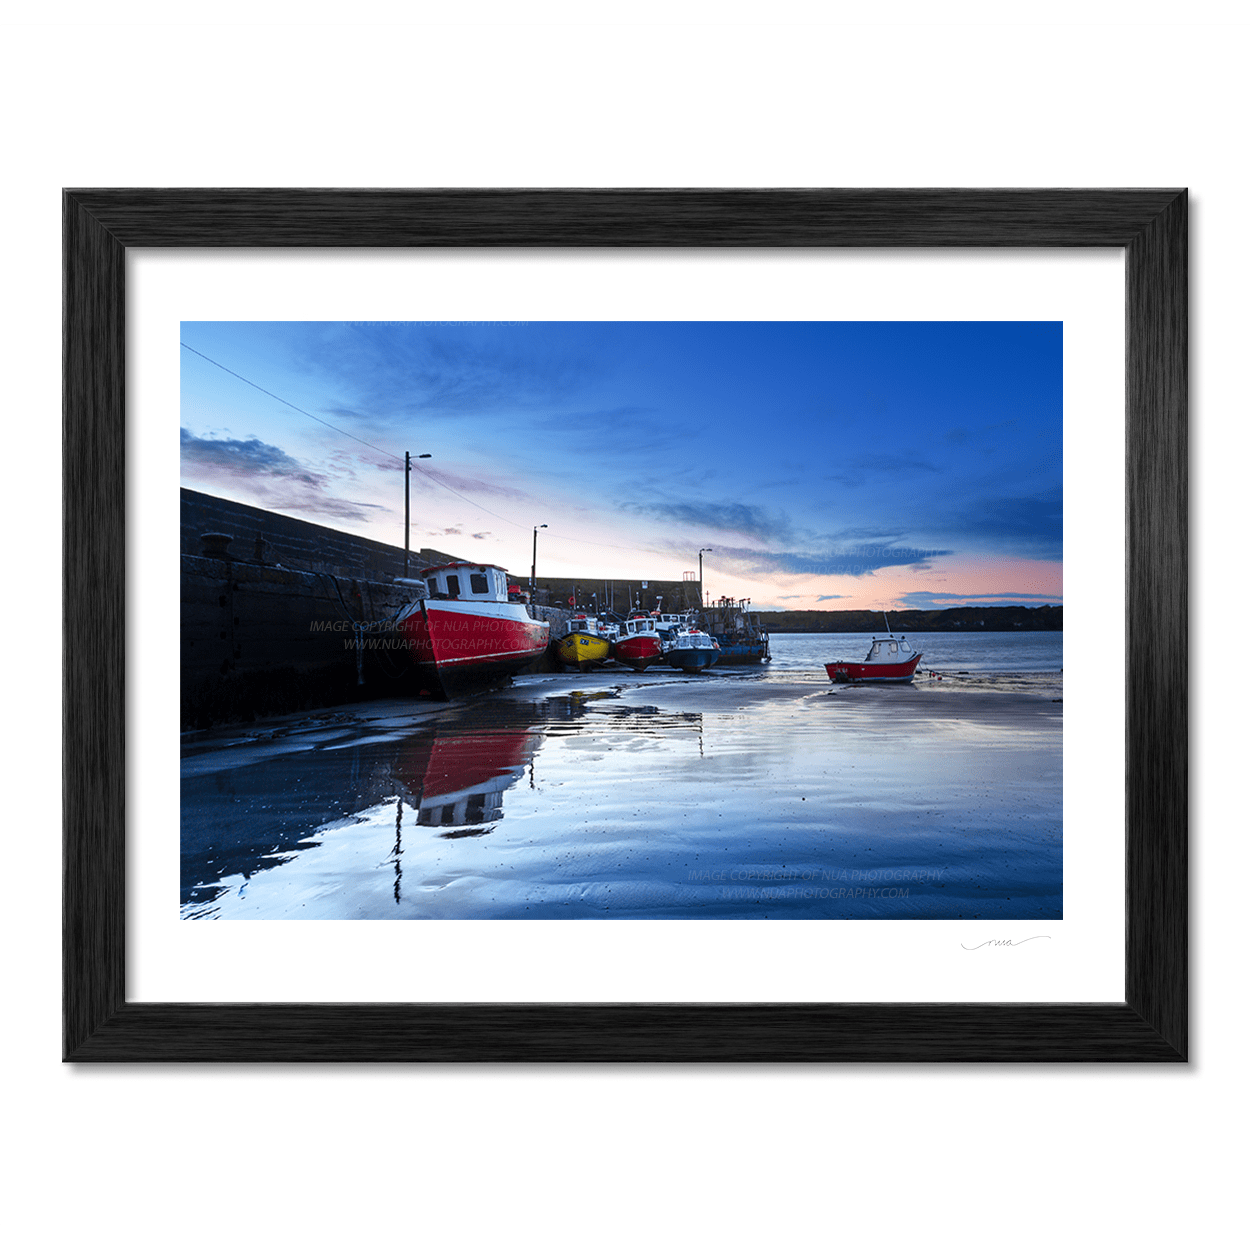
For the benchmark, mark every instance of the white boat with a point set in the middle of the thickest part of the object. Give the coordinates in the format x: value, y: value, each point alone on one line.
x: 462, y: 630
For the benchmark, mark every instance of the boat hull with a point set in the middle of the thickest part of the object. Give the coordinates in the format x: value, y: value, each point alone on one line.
x: 581, y: 650
x: 456, y: 645
x: 692, y: 659
x: 861, y: 674
x: 639, y: 651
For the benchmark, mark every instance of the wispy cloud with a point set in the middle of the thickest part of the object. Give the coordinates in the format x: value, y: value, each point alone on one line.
x: 929, y: 600
x: 855, y: 561
x: 266, y: 474
x: 439, y: 372
x: 747, y: 520
x: 469, y: 485
x: 597, y: 417
x: 858, y: 472
x: 1026, y: 524
x: 241, y: 457
x: 958, y: 436
x: 349, y: 461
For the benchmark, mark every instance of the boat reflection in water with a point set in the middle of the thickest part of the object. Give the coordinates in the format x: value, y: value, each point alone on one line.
x: 713, y: 801
x: 317, y: 830
x: 357, y: 818
x: 457, y: 781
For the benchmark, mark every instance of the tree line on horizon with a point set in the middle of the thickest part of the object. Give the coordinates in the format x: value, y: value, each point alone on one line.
x: 974, y: 619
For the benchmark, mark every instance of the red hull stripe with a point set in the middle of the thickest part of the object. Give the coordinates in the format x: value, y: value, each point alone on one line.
x: 840, y: 671
x: 638, y: 648
x: 457, y: 639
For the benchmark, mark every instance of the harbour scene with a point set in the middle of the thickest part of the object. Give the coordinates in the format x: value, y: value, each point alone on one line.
x: 762, y: 793
x: 377, y: 732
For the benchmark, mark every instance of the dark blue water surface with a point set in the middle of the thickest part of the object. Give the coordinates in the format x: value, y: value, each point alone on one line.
x: 760, y: 792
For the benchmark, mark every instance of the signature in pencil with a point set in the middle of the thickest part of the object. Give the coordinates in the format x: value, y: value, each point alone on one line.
x: 1005, y: 942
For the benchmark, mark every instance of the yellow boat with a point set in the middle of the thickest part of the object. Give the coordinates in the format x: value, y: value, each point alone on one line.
x: 583, y: 647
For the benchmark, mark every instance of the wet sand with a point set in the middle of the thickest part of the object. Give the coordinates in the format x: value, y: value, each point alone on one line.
x: 622, y: 795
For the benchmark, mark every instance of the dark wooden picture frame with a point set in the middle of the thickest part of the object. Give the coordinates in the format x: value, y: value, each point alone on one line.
x: 1149, y: 1025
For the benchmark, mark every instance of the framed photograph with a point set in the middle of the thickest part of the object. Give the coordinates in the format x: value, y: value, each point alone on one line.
x: 476, y: 241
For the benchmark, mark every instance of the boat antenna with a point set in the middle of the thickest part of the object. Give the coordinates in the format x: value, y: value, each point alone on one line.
x: 887, y: 620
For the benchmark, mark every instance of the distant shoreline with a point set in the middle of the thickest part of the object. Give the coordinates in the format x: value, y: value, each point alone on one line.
x: 779, y: 629
x: 970, y: 620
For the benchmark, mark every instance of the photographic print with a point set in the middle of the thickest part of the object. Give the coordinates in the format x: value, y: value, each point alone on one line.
x: 635, y: 620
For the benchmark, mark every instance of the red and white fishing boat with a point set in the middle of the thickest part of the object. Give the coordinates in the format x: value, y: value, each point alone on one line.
x: 639, y: 644
x: 888, y: 659
x: 462, y: 630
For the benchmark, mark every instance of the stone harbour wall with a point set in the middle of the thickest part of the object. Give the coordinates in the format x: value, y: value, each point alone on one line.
x: 266, y: 538
x: 620, y: 595
x: 260, y: 641
x: 268, y: 618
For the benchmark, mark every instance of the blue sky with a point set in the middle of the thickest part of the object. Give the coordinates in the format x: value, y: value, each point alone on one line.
x: 825, y: 464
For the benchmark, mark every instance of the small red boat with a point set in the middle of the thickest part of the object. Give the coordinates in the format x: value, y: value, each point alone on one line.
x: 888, y: 659
x: 639, y: 644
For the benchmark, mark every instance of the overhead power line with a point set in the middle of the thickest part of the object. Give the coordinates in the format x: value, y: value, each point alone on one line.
x: 382, y: 450
x: 288, y: 403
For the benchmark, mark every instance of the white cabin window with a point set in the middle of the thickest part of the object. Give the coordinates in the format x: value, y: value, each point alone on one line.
x: 478, y: 584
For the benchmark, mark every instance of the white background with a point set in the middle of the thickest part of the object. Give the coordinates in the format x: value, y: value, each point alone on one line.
x: 1065, y: 94
x: 675, y: 961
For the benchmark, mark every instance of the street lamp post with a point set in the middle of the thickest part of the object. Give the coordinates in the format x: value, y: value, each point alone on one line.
x: 702, y: 604
x: 534, y: 563
x: 425, y: 455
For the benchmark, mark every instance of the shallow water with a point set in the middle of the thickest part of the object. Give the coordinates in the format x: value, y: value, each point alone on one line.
x: 1026, y: 662
x: 758, y: 792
